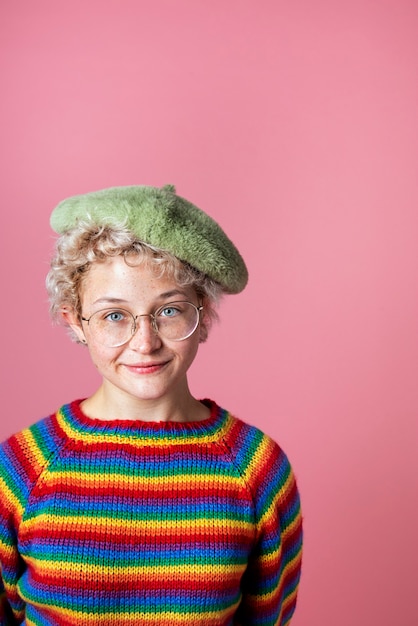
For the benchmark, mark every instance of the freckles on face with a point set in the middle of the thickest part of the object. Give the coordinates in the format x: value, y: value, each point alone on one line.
x: 116, y: 280
x: 146, y: 366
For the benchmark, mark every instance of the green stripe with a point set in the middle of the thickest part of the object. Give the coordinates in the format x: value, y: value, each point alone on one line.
x: 175, y: 514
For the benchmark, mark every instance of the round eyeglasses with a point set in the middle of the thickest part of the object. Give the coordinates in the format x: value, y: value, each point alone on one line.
x: 174, y: 321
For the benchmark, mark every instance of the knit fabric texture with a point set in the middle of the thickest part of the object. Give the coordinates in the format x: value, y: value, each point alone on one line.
x: 128, y: 522
x: 161, y: 218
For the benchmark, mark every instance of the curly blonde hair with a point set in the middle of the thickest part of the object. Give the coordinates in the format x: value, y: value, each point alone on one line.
x: 87, y: 243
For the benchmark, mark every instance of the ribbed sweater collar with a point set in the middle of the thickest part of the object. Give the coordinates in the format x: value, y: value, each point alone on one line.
x: 77, y: 425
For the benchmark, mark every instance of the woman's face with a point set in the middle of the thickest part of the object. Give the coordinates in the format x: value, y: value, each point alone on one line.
x: 147, y: 367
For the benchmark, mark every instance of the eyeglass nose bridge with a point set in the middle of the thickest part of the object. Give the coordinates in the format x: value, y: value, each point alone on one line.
x: 135, y: 324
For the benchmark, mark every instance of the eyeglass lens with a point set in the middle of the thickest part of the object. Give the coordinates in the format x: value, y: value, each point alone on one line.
x: 174, y: 321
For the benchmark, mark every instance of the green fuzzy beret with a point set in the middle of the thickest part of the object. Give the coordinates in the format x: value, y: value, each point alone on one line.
x: 162, y: 219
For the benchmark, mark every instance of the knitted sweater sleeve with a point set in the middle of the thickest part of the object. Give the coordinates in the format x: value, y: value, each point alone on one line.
x: 12, y: 496
x: 22, y: 460
x: 271, y: 581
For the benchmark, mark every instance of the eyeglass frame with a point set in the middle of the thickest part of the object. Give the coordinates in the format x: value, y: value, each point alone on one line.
x: 153, y: 317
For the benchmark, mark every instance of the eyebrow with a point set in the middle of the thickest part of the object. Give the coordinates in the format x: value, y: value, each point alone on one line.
x: 161, y: 296
x: 110, y: 300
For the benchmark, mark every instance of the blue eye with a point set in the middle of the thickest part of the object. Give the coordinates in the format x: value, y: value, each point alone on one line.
x: 170, y: 311
x: 114, y: 316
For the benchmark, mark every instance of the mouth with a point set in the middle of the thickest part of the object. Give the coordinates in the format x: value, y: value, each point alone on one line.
x: 145, y: 368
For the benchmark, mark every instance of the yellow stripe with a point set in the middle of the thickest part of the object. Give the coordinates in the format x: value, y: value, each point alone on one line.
x: 289, y: 530
x: 274, y: 505
x: 288, y: 568
x: 133, y: 527
x: 28, y: 442
x: 35, y: 457
x: 178, y: 572
x: 151, y: 440
x: 8, y: 552
x: 194, y: 481
x: 9, y: 496
x: 262, y: 453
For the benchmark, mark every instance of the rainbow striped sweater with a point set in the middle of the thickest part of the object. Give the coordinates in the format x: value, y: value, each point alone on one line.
x: 154, y: 524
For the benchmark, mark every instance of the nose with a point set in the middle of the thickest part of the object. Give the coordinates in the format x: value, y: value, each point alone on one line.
x: 145, y: 339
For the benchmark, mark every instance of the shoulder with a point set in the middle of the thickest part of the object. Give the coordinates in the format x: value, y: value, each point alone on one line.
x: 23, y: 459
x: 250, y: 445
x: 269, y: 477
x: 24, y: 455
x: 260, y: 459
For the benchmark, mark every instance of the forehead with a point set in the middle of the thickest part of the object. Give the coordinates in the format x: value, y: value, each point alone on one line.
x: 129, y: 280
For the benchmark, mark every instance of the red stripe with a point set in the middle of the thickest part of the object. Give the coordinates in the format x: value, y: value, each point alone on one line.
x: 152, y: 580
x: 177, y: 536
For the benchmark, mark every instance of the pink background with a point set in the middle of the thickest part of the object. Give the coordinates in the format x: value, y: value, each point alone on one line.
x: 294, y: 124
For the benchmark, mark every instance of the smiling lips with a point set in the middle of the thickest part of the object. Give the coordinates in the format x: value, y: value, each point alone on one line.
x: 145, y: 368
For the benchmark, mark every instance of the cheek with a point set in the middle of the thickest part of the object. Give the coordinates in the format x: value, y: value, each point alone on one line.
x: 101, y: 357
x: 191, y: 349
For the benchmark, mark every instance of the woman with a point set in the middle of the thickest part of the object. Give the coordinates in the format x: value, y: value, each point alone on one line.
x: 141, y: 504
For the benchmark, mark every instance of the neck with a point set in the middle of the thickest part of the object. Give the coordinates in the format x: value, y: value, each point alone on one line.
x: 109, y: 404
